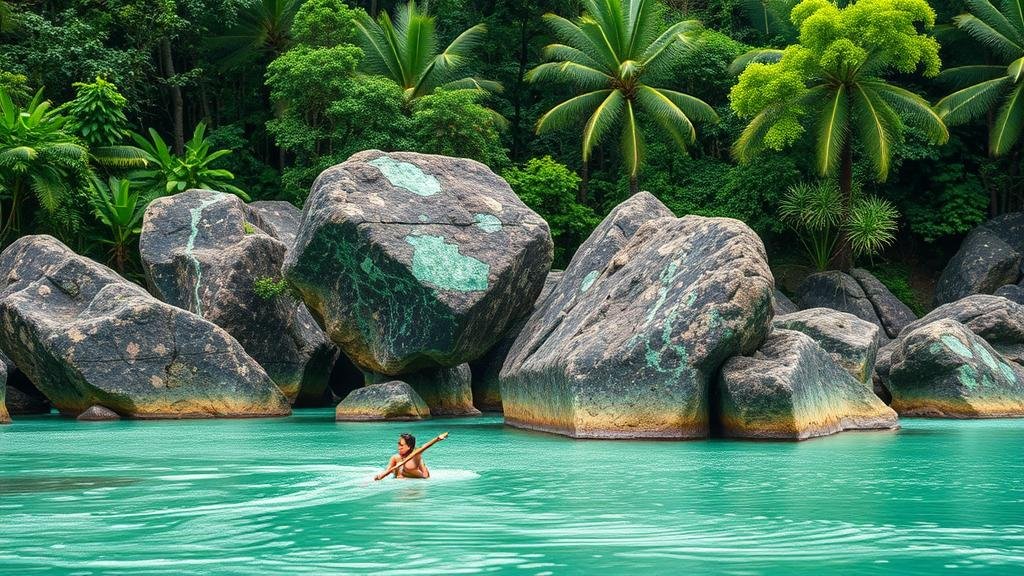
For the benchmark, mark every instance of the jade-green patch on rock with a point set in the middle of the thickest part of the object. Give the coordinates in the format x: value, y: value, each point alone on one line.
x: 407, y: 176
x: 957, y: 346
x: 588, y: 280
x: 438, y: 263
x: 487, y: 222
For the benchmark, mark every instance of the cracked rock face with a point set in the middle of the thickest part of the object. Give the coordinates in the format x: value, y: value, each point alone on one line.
x: 84, y: 336
x: 204, y: 251
x: 646, y: 313
x: 943, y: 369
x: 415, y: 261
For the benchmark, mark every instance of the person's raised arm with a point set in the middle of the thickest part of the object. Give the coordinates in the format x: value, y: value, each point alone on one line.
x: 392, y: 462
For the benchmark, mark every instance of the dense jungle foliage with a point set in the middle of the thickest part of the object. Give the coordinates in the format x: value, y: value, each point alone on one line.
x: 872, y: 133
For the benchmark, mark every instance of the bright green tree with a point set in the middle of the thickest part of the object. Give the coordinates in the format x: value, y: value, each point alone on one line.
x: 405, y: 50
x: 609, y: 54
x: 39, y: 159
x: 832, y: 85
x: 991, y: 86
x: 454, y: 123
x: 96, y: 115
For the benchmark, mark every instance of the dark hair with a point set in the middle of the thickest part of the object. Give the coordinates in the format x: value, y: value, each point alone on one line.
x: 410, y: 440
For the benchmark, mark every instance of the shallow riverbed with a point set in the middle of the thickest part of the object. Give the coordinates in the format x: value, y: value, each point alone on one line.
x: 292, y: 496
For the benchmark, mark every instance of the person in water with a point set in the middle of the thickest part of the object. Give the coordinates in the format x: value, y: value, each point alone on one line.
x: 414, y: 468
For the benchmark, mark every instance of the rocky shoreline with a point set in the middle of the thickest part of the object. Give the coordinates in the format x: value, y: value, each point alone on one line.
x: 413, y: 286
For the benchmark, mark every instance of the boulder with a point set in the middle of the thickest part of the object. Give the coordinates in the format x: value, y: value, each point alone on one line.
x: 990, y: 256
x: 393, y: 400
x: 84, y: 335
x: 98, y: 413
x: 1012, y: 292
x: 414, y: 261
x: 852, y: 342
x: 782, y: 304
x: 487, y: 368
x: 943, y: 369
x: 792, y: 390
x: 5, y: 417
x: 447, y: 391
x: 626, y: 348
x: 22, y: 396
x: 892, y: 313
x: 278, y: 218
x: 206, y: 252
x: 996, y: 319
x: 838, y: 291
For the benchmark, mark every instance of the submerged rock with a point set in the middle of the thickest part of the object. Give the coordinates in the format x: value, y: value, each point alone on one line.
x: 487, y: 369
x: 990, y: 257
x: 86, y: 336
x: 447, y: 391
x: 98, y: 413
x: 5, y: 417
x: 416, y: 261
x: 892, y: 313
x: 792, y: 390
x: 393, y: 400
x: 852, y: 342
x: 838, y: 291
x: 625, y: 348
x: 206, y: 252
x: 943, y: 369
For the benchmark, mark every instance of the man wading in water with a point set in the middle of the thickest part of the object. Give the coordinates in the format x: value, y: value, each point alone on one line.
x: 414, y: 468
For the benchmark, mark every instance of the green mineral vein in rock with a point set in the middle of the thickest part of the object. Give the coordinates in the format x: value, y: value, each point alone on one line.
x: 197, y: 215
x: 957, y: 346
x: 1008, y: 372
x: 487, y: 222
x: 588, y: 280
x: 407, y: 176
x: 968, y: 376
x: 439, y: 264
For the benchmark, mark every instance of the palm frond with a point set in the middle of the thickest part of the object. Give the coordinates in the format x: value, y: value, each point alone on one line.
x: 632, y: 141
x: 563, y: 53
x: 913, y: 109
x: 678, y: 32
x: 989, y: 36
x: 990, y: 15
x: 877, y: 125
x: 969, y: 75
x: 572, y: 111
x: 694, y: 108
x: 668, y: 115
x: 751, y: 140
x: 571, y: 34
x: 585, y: 78
x: 761, y: 55
x: 971, y: 102
x: 833, y: 127
x: 601, y: 121
x: 1008, y: 124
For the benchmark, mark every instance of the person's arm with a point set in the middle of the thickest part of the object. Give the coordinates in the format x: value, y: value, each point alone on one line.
x: 423, y: 469
x: 390, y: 464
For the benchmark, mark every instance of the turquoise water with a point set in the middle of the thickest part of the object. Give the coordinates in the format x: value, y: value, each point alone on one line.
x: 291, y: 496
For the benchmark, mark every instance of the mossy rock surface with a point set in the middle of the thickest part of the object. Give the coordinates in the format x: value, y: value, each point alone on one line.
x: 943, y: 369
x: 416, y: 262
x: 646, y: 313
x: 204, y: 251
x: 84, y: 335
x: 792, y: 389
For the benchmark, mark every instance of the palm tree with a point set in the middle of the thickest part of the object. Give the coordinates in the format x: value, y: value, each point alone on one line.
x: 844, y: 98
x: 991, y: 85
x: 406, y: 51
x: 263, y: 27
x: 608, y: 54
x: 38, y: 158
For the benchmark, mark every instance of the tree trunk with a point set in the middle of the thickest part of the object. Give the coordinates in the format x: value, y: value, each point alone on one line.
x: 634, y: 186
x: 843, y: 257
x: 517, y: 90
x: 177, y: 102
x: 581, y: 194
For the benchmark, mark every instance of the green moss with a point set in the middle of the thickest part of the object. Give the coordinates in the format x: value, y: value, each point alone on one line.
x: 249, y: 228
x: 1008, y: 372
x: 407, y: 176
x: 439, y: 264
x: 268, y: 288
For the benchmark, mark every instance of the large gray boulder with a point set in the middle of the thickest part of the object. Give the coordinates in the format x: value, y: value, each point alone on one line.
x: 5, y: 417
x: 446, y: 391
x: 792, y: 390
x: 392, y: 400
x: 414, y: 261
x: 84, y: 335
x: 838, y: 291
x: 487, y: 368
x: 990, y: 256
x: 625, y: 348
x: 996, y: 319
x: 1012, y: 292
x: 892, y: 313
x: 206, y: 252
x: 943, y: 369
x: 278, y: 218
x: 852, y: 342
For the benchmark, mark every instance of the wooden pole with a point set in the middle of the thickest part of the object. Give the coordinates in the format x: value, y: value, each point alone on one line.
x: 414, y: 454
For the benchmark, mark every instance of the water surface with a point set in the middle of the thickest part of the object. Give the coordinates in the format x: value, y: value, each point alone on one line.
x: 292, y: 496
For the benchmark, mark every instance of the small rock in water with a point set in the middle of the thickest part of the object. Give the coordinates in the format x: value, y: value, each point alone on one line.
x: 446, y: 391
x: 97, y: 413
x: 394, y: 400
x: 792, y: 390
x: 943, y: 369
x: 415, y: 261
x: 852, y: 342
